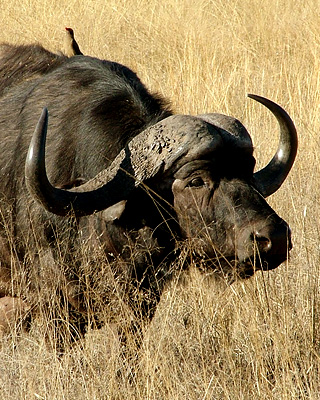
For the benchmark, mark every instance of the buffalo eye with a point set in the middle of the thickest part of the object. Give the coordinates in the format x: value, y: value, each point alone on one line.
x: 196, y: 182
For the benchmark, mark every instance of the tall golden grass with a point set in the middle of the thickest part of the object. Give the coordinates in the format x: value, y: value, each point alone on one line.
x: 258, y: 339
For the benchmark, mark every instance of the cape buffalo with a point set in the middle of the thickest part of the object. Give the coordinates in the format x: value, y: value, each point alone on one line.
x: 123, y: 174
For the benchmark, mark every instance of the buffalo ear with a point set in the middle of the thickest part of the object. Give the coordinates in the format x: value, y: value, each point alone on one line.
x: 114, y: 212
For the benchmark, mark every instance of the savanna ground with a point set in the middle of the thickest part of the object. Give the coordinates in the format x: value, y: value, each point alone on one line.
x: 258, y: 339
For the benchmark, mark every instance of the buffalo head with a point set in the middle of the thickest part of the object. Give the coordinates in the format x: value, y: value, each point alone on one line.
x: 202, y: 167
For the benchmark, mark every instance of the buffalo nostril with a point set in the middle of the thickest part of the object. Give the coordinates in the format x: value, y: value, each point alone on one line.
x: 263, y: 243
x: 273, y: 240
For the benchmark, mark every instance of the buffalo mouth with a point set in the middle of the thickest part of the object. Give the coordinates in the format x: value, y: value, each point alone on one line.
x: 233, y: 269
x: 248, y: 267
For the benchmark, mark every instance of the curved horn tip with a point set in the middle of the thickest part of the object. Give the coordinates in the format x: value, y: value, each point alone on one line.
x: 275, y: 108
x: 40, y: 133
x: 270, y: 178
x: 258, y: 98
x: 252, y: 95
x: 44, y: 114
x: 42, y: 124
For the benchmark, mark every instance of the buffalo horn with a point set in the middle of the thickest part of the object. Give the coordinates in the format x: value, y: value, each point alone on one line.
x: 162, y: 146
x: 82, y: 200
x: 270, y: 178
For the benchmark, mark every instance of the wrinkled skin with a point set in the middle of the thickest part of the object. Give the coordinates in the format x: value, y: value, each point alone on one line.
x: 229, y: 221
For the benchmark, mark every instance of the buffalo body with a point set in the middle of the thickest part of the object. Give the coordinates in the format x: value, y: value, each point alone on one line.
x: 120, y: 173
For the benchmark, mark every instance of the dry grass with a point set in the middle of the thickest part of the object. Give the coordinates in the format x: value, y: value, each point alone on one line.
x: 258, y: 339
